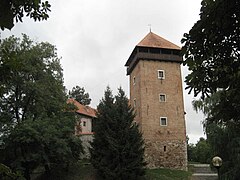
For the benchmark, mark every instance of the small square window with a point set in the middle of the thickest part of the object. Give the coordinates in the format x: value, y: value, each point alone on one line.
x: 161, y: 74
x: 162, y: 97
x: 163, y: 121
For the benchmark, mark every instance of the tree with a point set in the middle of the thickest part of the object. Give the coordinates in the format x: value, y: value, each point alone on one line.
x: 11, y: 10
x: 199, y: 152
x: 212, y: 51
x: 6, y: 173
x: 118, y: 147
x: 35, y: 125
x: 203, y: 151
x: 191, y: 152
x: 79, y: 94
x: 222, y: 136
x: 211, y: 48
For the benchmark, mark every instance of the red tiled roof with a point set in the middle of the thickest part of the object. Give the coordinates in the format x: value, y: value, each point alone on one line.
x: 155, y: 41
x: 84, y: 110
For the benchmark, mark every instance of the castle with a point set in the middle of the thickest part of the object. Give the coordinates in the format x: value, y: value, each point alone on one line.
x: 154, y: 68
x: 157, y: 97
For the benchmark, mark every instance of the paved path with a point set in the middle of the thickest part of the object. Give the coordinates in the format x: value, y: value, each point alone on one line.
x: 203, y: 172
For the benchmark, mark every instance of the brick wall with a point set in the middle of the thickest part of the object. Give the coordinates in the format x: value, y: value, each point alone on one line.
x: 145, y: 92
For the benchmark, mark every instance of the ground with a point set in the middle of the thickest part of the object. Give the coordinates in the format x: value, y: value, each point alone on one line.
x: 85, y: 171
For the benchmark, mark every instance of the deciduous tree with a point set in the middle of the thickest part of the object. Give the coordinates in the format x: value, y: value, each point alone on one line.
x: 212, y: 51
x: 35, y: 126
x: 14, y: 10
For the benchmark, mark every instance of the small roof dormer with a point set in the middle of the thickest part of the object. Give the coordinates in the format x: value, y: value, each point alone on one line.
x: 153, y: 47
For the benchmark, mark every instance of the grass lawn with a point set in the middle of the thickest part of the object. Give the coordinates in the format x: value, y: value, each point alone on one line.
x: 167, y: 174
x: 85, y: 171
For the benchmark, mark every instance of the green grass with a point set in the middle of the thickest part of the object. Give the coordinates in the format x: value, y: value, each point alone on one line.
x: 79, y: 171
x: 167, y: 174
x: 85, y: 171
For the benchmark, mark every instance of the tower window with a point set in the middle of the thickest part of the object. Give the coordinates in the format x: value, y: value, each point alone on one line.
x: 163, y: 121
x: 134, y: 80
x: 84, y: 123
x: 162, y: 97
x: 164, y: 148
x: 134, y: 103
x: 161, y: 74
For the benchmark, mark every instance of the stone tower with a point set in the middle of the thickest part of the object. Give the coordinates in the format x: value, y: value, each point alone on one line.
x: 157, y: 96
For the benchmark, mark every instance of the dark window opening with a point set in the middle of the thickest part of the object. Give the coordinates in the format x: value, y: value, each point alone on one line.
x: 162, y: 98
x: 134, y: 80
x: 165, y: 148
x: 155, y: 51
x: 143, y: 49
x: 166, y: 51
x: 161, y: 74
x: 163, y: 121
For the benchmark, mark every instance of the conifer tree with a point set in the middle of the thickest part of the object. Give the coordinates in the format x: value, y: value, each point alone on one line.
x: 118, y: 148
x: 79, y: 94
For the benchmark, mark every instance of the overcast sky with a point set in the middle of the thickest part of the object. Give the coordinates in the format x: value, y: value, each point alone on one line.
x: 96, y: 37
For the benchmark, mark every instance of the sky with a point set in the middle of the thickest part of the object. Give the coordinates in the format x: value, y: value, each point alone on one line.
x: 95, y: 38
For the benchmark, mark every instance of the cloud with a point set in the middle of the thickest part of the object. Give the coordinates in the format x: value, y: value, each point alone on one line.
x: 95, y: 38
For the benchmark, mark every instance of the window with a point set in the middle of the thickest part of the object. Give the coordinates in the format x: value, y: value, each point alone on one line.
x: 134, y: 80
x: 134, y: 103
x: 84, y: 123
x: 163, y: 121
x: 166, y: 51
x: 162, y: 97
x: 161, y: 74
x: 164, y: 148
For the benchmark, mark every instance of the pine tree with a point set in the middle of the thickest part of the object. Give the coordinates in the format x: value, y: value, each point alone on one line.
x: 118, y: 148
x: 79, y: 94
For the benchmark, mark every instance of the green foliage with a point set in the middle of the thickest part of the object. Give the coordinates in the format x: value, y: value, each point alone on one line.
x: 211, y: 48
x: 212, y: 52
x: 11, y: 10
x: 223, y: 134
x: 79, y: 94
x: 7, y: 174
x: 224, y: 141
x: 201, y: 152
x: 117, y: 149
x: 35, y: 130
x: 191, y: 153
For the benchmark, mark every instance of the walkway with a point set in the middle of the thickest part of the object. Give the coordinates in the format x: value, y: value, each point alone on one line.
x: 203, y: 172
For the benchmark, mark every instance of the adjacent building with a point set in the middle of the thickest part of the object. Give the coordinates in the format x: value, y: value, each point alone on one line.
x: 84, y: 125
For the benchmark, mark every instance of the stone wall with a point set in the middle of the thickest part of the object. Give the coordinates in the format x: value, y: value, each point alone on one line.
x: 167, y: 154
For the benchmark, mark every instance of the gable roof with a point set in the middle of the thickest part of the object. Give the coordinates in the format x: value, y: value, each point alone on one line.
x: 155, y: 41
x: 84, y: 110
